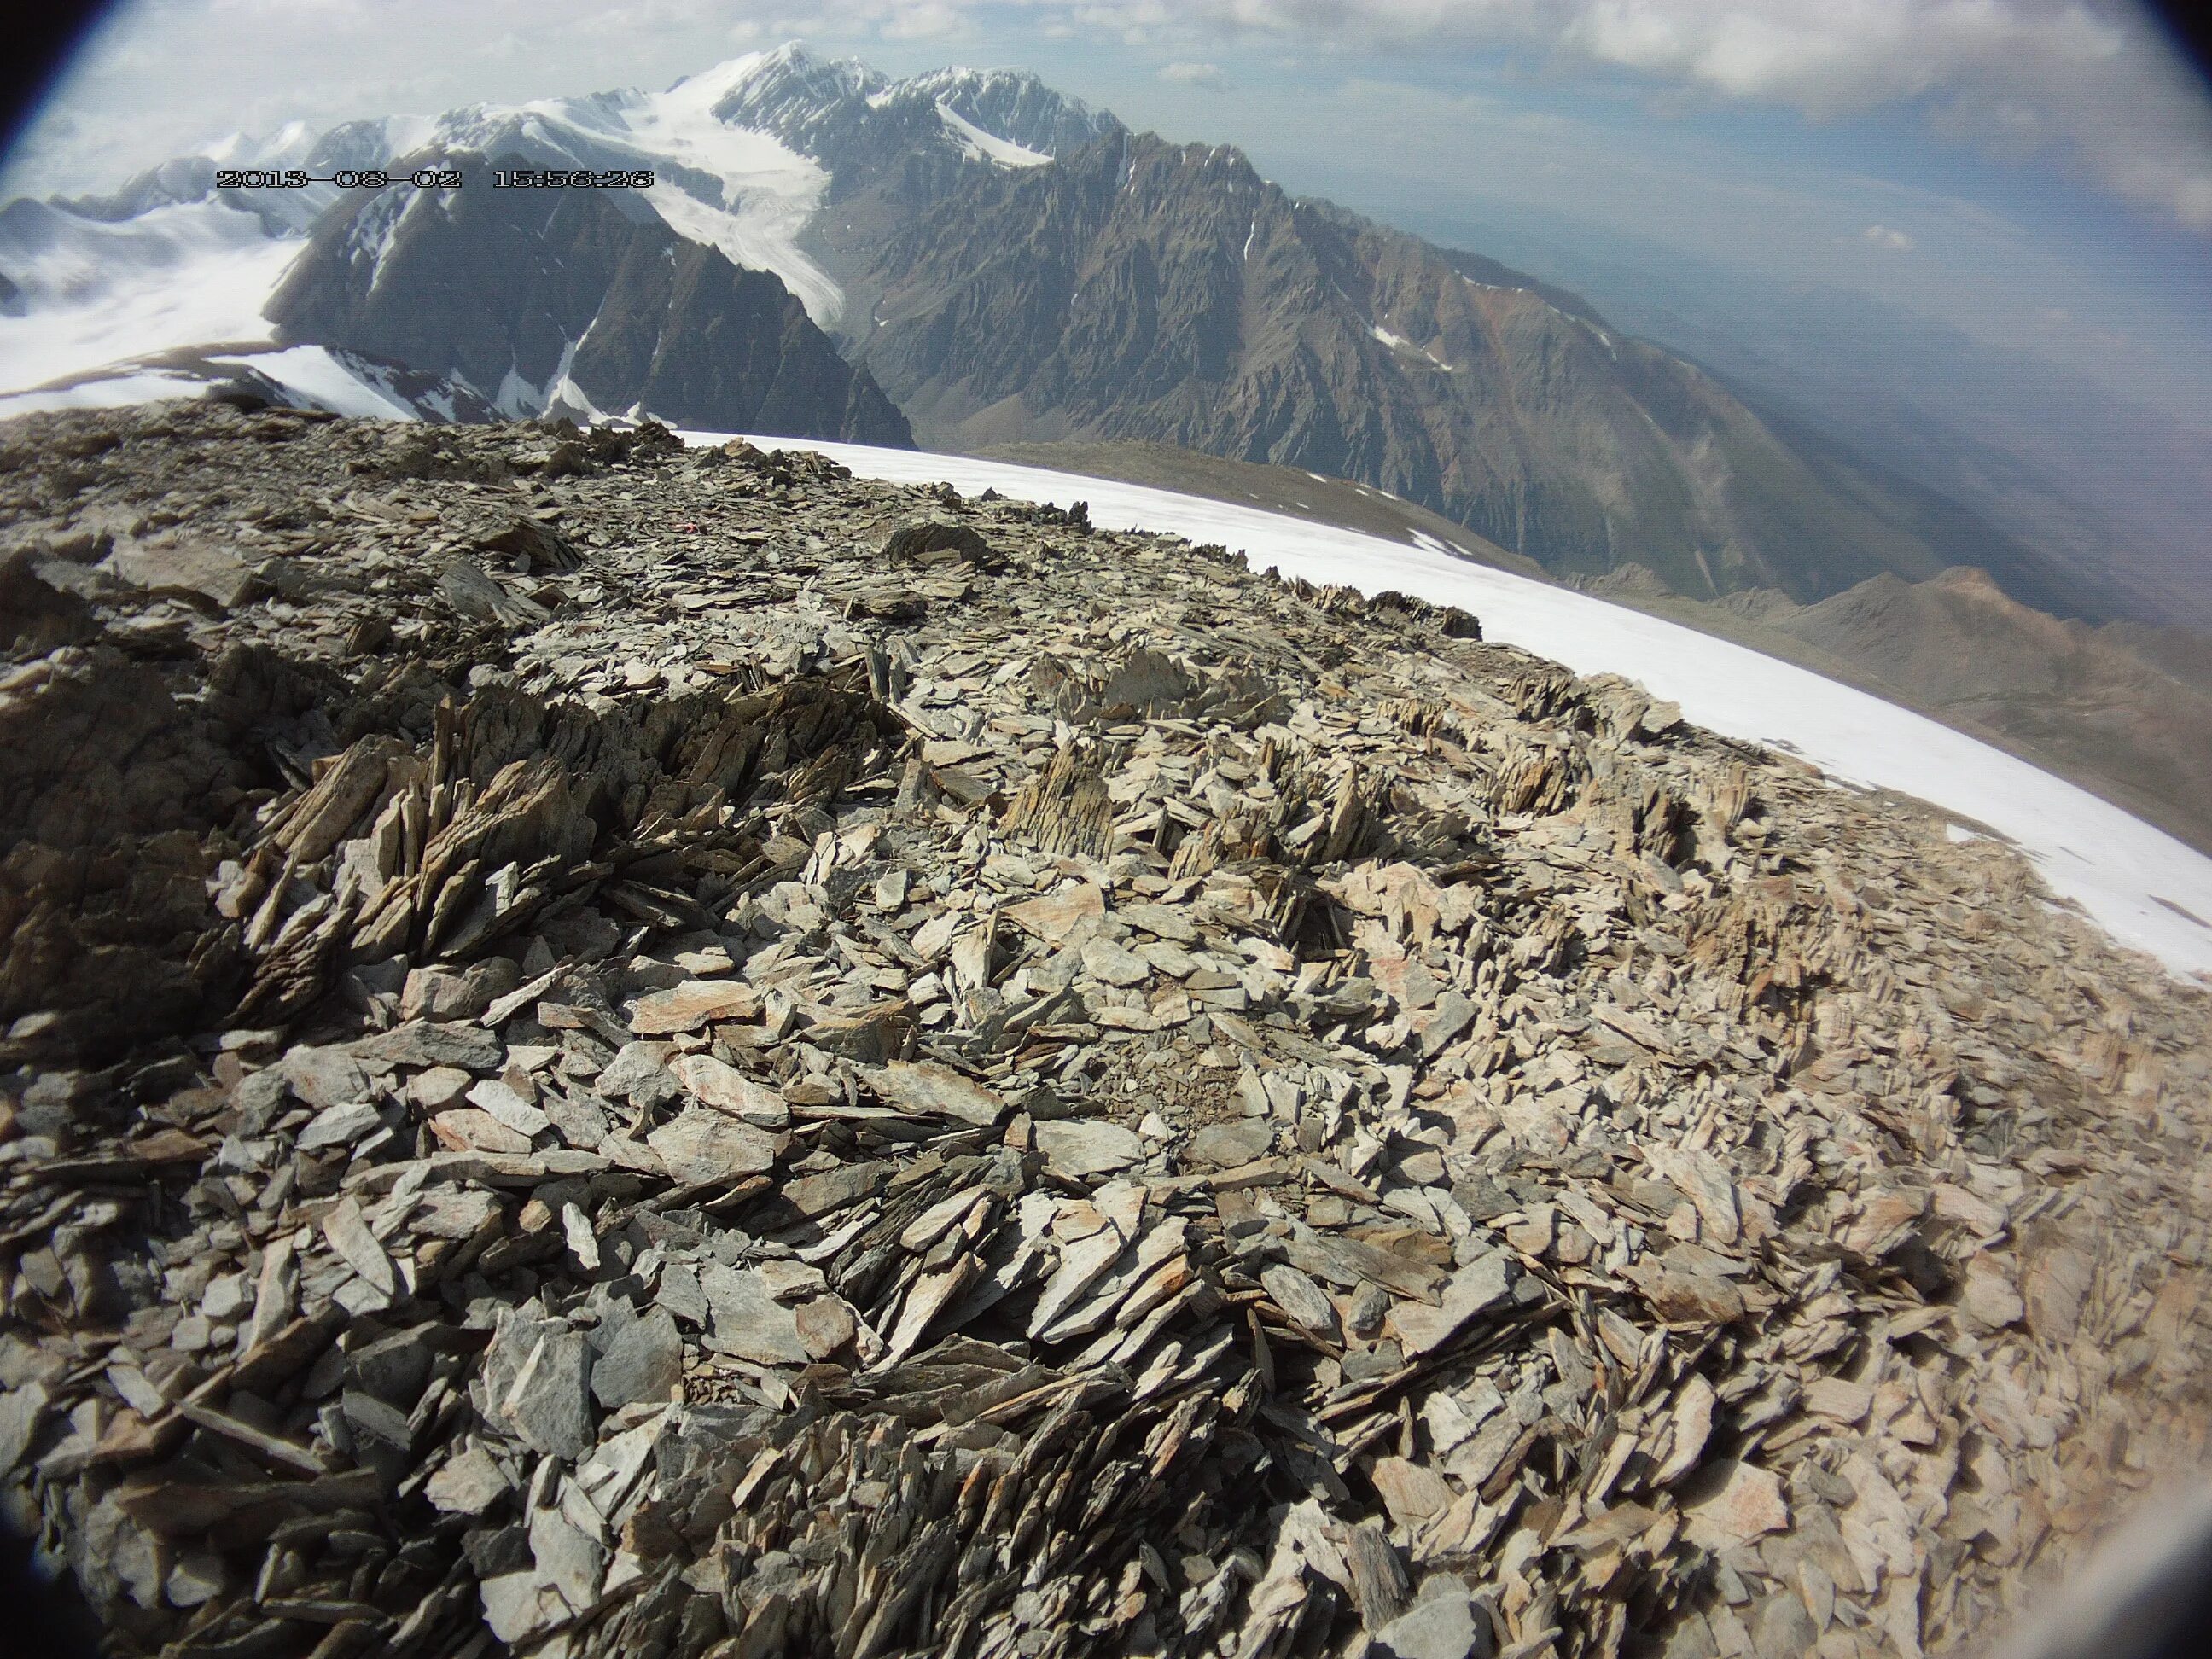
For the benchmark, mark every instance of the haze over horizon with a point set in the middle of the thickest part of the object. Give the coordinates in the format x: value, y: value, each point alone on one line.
x: 2038, y: 176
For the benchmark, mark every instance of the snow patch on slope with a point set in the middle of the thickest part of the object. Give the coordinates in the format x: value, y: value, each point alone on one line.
x: 2133, y: 880
x: 315, y: 376
x: 115, y: 392
x: 307, y: 376
x: 983, y: 146
x: 1400, y: 343
x: 563, y: 391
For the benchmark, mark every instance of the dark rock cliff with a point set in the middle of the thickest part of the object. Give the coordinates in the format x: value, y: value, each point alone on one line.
x: 580, y: 298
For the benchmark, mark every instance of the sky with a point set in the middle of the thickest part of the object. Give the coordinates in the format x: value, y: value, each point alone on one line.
x: 2037, y: 173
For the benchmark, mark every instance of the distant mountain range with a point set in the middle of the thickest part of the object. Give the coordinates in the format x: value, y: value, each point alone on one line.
x: 962, y: 258
x: 2115, y: 485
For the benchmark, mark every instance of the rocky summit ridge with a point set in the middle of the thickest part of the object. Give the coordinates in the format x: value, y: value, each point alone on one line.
x: 619, y: 1050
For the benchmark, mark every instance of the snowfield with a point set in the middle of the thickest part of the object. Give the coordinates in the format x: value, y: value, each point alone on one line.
x: 2143, y: 887
x: 189, y: 274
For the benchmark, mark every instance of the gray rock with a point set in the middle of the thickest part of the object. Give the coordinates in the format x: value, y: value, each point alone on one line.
x: 421, y: 1042
x: 1105, y: 960
x: 325, y: 1077
x: 749, y: 1322
x: 440, y: 993
x: 439, y: 1087
x: 638, y: 1073
x: 1482, y: 1285
x: 702, y: 1145
x: 21, y: 1413
x: 195, y: 566
x: 936, y: 1090
x: 468, y: 1483
x: 394, y: 1368
x: 568, y: 1560
x: 371, y: 1416
x: 640, y: 1357
x: 1239, y: 1141
x: 911, y: 540
x: 549, y: 1403
x: 351, y: 1237
x: 518, y: 1606
x: 1780, y: 1624
x: 1451, y: 1015
x: 1079, y: 1147
x: 1305, y: 1300
x: 196, y: 1578
x: 1366, y: 1364
x: 338, y: 1126
x: 1444, y: 1624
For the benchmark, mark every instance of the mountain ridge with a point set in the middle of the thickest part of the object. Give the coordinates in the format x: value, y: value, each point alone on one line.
x: 966, y: 239
x: 1142, y: 290
x: 2115, y: 708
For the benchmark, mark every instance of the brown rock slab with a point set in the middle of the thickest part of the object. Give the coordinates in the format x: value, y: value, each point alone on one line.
x: 1732, y: 1503
x: 1413, y: 1492
x: 716, y: 1083
x: 687, y: 1007
x: 1088, y: 1147
x: 700, y: 1144
x: 937, y: 1090
x: 1053, y: 916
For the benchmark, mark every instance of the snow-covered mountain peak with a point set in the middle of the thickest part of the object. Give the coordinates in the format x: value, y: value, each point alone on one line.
x: 746, y: 157
x: 847, y: 115
x: 1014, y: 106
x: 789, y: 86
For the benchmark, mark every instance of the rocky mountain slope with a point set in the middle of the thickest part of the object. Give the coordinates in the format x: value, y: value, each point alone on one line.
x: 617, y: 1050
x: 2049, y: 454
x: 1145, y: 290
x: 576, y: 302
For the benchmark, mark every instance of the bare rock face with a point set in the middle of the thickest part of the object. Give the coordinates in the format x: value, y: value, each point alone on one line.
x: 787, y: 1064
x: 575, y: 301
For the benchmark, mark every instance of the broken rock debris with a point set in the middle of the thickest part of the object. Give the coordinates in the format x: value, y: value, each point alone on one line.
x: 675, y: 1053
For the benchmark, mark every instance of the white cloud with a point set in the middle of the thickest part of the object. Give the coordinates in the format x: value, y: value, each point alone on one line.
x: 926, y: 21
x: 1883, y: 236
x: 2094, y: 81
x: 1207, y: 76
